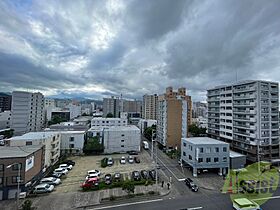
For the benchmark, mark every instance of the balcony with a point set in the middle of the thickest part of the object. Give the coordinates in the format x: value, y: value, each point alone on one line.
x: 265, y: 127
x: 275, y: 134
x: 247, y: 96
x: 252, y: 135
x: 241, y: 133
x: 213, y: 105
x: 274, y: 105
x: 213, y: 93
x: 213, y: 99
x: 275, y: 127
x: 274, y: 89
x: 265, y: 135
x: 244, y: 104
x: 275, y: 119
x: 241, y: 125
x: 264, y: 119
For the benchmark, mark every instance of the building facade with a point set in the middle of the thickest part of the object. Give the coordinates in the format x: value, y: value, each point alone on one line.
x: 173, y: 118
x: 205, y: 153
x: 111, y: 105
x: 143, y: 124
x: 121, y: 139
x: 49, y: 102
x: 149, y: 107
x: 5, y: 102
x: 50, y: 141
x: 31, y: 160
x: 246, y: 114
x: 72, y: 142
x: 5, y: 119
x: 105, y: 122
x: 27, y: 112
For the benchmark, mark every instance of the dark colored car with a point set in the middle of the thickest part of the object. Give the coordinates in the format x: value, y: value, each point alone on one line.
x: 108, y: 179
x: 137, y: 159
x: 189, y: 182
x: 117, y: 177
x: 69, y: 162
x: 133, y: 152
x: 144, y: 174
x: 152, y: 174
x: 136, y: 176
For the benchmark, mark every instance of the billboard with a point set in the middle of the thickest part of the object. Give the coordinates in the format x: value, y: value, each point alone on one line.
x: 29, y: 163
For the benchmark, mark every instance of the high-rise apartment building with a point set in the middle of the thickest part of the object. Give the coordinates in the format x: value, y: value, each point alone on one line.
x: 149, y: 107
x: 111, y: 105
x: 27, y: 111
x: 245, y: 115
x: 5, y: 102
x: 174, y: 117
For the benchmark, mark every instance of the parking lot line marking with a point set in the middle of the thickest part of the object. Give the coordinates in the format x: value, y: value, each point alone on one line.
x: 127, y: 204
x: 194, y: 208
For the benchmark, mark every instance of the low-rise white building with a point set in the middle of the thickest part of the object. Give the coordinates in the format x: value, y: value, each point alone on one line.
x: 75, y: 110
x: 51, y: 140
x: 121, y: 139
x: 5, y: 119
x: 105, y: 122
x: 72, y: 142
x: 143, y: 124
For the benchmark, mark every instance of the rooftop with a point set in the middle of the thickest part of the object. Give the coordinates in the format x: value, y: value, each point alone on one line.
x: 24, y: 151
x: 34, y: 135
x: 233, y: 154
x: 203, y: 140
x: 122, y: 128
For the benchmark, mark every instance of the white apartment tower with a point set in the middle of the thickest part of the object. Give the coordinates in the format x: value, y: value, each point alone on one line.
x: 150, y: 106
x: 27, y: 112
x: 245, y: 115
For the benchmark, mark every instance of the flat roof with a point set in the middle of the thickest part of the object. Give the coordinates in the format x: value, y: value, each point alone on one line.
x: 34, y: 135
x: 203, y: 140
x: 24, y: 151
x: 233, y: 154
x: 108, y: 118
x: 121, y: 128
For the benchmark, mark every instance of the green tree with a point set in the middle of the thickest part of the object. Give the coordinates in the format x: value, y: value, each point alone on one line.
x: 128, y: 187
x: 148, y: 132
x: 27, y: 205
x: 56, y: 120
x: 7, y: 133
x: 196, y: 131
x: 93, y: 146
x: 109, y: 115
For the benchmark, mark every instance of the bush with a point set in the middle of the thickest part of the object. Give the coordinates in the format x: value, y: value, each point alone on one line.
x: 27, y: 205
x: 151, y: 192
x: 104, y: 162
x: 128, y: 187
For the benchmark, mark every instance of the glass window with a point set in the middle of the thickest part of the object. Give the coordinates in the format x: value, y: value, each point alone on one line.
x: 122, y: 140
x: 216, y: 159
x: 217, y: 149
x: 224, y: 149
x: 184, y: 144
x: 208, y: 150
x: 184, y: 153
x: 71, y: 138
x: 1, y: 167
x: 1, y: 180
x: 200, y: 160
x: 208, y: 160
x: 14, y: 179
x: 122, y: 145
x: 71, y: 145
x: 190, y: 157
x: 15, y: 166
x: 28, y: 143
x: 224, y: 159
x: 201, y: 149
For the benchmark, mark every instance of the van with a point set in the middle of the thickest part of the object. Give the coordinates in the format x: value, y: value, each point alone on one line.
x: 145, y: 145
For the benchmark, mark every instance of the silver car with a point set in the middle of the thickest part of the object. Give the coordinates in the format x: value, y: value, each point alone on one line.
x: 43, y: 188
x: 50, y: 180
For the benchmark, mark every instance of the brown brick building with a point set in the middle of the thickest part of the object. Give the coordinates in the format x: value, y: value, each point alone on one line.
x: 174, y: 116
x: 31, y: 159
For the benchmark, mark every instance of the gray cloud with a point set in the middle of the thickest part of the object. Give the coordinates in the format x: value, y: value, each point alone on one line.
x: 98, y: 48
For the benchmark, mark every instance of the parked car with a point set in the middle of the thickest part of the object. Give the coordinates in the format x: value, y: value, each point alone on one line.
x: 122, y: 160
x: 43, y: 188
x: 136, y: 176
x: 57, y: 175
x: 189, y: 182
x: 50, y: 180
x: 117, y: 177
x: 152, y: 174
x: 90, y: 183
x: 92, y: 174
x: 63, y: 171
x: 137, y: 159
x: 108, y: 179
x: 132, y: 152
x: 69, y: 162
x: 144, y: 174
x: 110, y: 161
x: 68, y: 167
x: 130, y: 159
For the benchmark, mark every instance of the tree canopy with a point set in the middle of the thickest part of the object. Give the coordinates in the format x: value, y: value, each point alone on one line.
x: 196, y: 131
x: 109, y: 115
x: 93, y: 146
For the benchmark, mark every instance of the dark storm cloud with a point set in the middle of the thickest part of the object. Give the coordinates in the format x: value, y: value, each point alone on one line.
x: 99, y: 48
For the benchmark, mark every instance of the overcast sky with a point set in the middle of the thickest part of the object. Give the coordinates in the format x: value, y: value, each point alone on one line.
x: 101, y: 48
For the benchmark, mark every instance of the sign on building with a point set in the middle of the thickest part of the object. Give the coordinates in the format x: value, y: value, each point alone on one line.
x: 29, y: 163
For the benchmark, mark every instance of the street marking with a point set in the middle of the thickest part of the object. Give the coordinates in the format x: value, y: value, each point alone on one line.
x: 267, y: 198
x: 180, y: 180
x: 128, y: 204
x: 194, y: 208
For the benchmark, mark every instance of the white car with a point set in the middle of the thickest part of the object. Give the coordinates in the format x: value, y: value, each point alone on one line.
x: 50, y: 180
x: 130, y: 159
x: 43, y: 188
x: 63, y: 171
x: 93, y: 173
x: 122, y: 161
x: 68, y: 167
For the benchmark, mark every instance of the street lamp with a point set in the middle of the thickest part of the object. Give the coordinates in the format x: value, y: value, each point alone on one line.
x: 18, y: 179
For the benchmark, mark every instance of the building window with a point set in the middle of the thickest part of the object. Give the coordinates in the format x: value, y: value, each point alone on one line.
x: 71, y: 145
x: 190, y: 157
x: 201, y: 149
x: 1, y: 180
x: 14, y: 179
x: 208, y: 150
x: 15, y: 167
x: 184, y: 153
x: 1, y: 167
x: 216, y: 159
x: 184, y: 144
x: 28, y: 143
x: 122, y: 134
x: 224, y: 149
x: 71, y: 138
x: 208, y: 160
x: 122, y: 140
x: 200, y: 160
x: 217, y: 149
x: 224, y: 159
x: 122, y: 145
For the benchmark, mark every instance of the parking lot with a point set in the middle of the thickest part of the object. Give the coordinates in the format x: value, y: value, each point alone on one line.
x: 76, y: 176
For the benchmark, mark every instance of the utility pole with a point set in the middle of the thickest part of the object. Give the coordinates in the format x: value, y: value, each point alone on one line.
x: 153, y: 137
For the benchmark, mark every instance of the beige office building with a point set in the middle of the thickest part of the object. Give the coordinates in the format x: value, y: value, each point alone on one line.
x: 174, y: 117
x: 149, y: 108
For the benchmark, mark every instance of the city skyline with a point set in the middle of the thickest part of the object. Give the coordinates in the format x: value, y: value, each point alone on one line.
x: 101, y: 48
